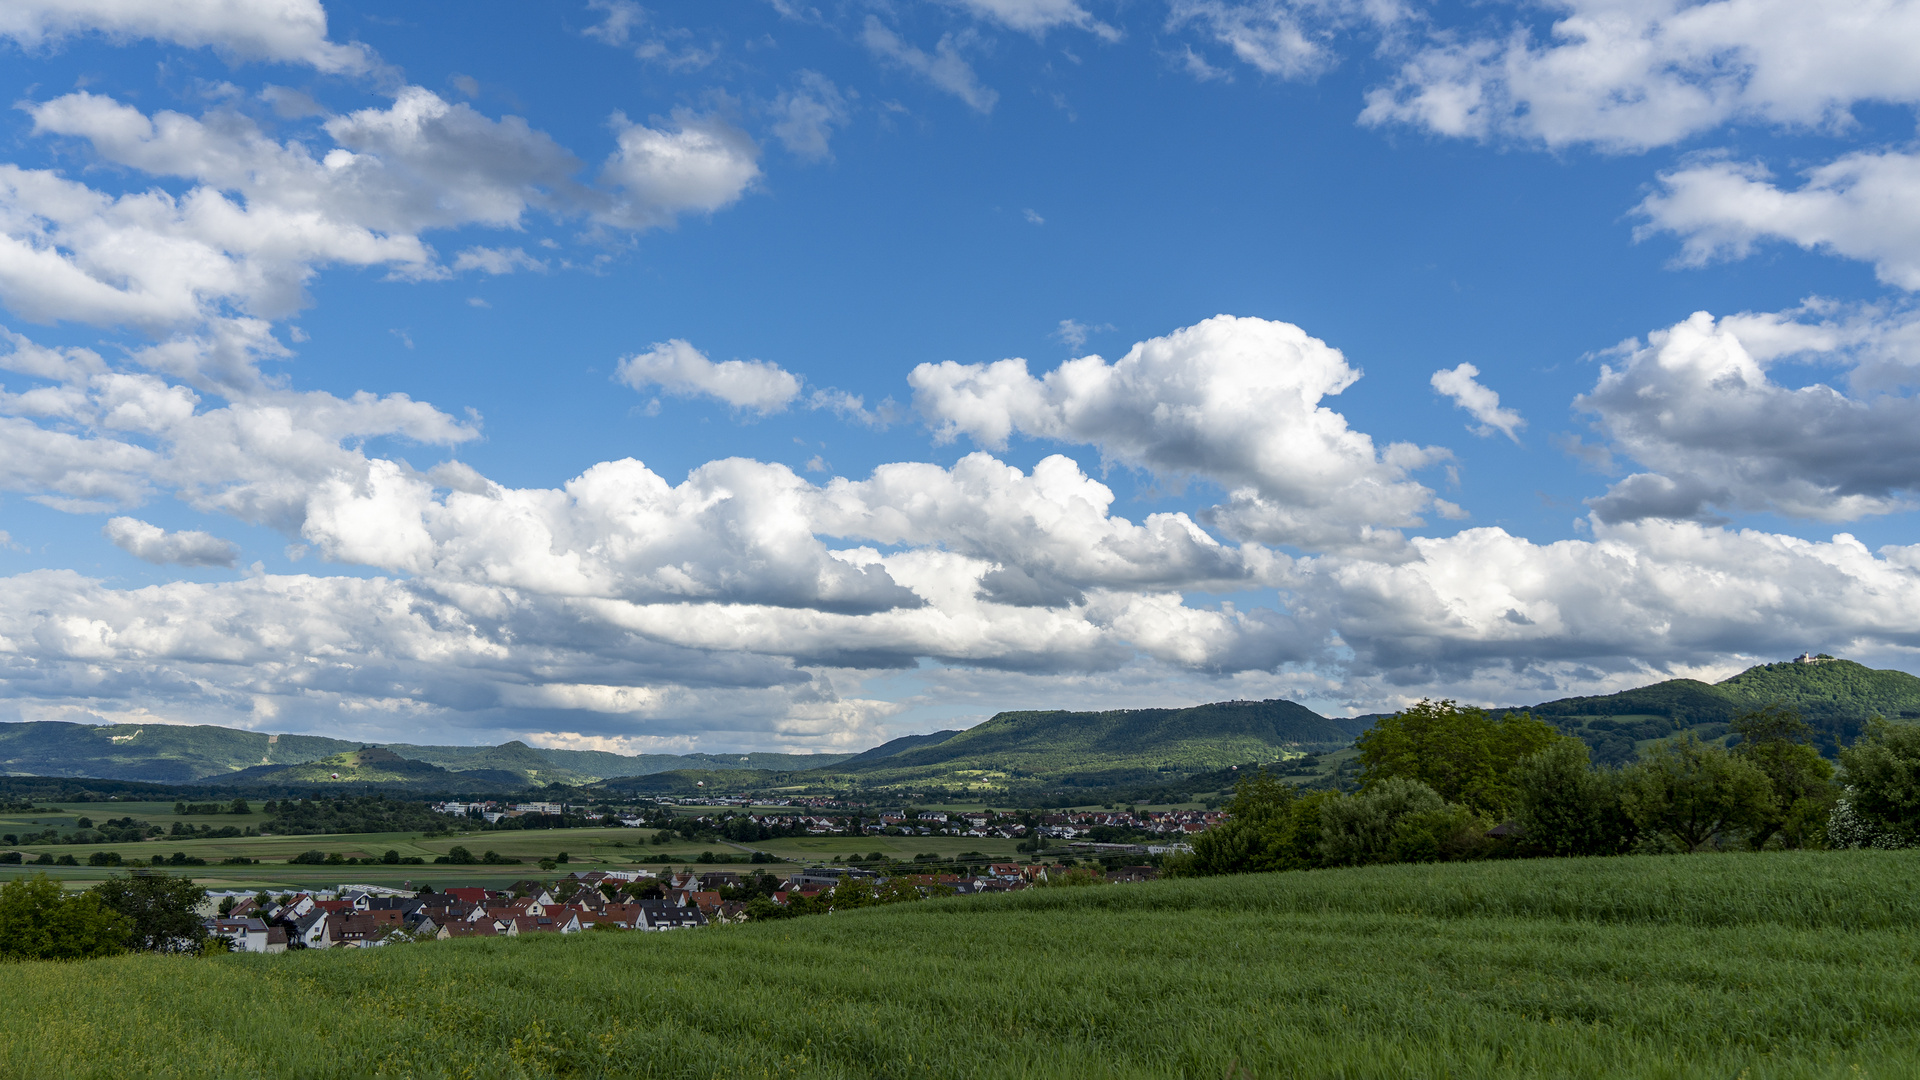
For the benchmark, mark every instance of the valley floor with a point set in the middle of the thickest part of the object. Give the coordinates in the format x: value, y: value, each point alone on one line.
x: 1781, y: 965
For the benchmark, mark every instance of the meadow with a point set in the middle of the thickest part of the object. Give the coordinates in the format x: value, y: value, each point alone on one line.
x: 1755, y: 966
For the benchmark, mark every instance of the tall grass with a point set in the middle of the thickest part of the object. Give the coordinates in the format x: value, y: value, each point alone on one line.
x: 1723, y: 966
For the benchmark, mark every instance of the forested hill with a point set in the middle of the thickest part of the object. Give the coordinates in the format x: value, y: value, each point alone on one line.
x: 1836, y: 697
x: 183, y: 754
x: 1119, y: 746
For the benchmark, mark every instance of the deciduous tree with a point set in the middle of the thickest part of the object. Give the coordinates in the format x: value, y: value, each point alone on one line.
x: 1462, y: 753
x: 1693, y: 792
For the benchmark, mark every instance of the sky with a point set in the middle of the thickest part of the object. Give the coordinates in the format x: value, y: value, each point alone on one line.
x: 787, y: 375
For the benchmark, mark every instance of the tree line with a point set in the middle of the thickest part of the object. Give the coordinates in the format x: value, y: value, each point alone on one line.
x: 1442, y: 782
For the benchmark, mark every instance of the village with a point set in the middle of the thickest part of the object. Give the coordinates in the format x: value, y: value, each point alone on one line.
x: 371, y: 916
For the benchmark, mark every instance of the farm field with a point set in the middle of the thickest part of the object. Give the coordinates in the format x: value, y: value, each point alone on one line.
x: 586, y: 848
x: 1772, y: 966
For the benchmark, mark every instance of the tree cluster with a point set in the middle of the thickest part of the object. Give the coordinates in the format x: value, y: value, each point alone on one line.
x: 148, y: 912
x: 1440, y: 782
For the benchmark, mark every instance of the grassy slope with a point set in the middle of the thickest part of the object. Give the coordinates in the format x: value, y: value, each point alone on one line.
x: 1784, y: 965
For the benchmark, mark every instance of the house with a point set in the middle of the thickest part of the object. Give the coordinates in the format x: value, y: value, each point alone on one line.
x: 716, y: 880
x: 660, y: 915
x: 463, y: 929
x: 1134, y: 873
x: 357, y: 930
x: 243, y: 935
x: 470, y: 896
x: 310, y: 931
x: 733, y: 911
x: 707, y: 902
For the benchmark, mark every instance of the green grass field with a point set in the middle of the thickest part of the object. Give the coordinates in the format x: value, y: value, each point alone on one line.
x: 1782, y: 965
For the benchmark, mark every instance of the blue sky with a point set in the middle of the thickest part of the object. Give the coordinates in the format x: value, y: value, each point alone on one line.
x: 316, y: 315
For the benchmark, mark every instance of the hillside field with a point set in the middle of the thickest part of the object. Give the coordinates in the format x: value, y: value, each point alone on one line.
x: 1755, y: 966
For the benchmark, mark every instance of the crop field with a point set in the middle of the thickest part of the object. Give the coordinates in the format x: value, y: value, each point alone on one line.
x: 1781, y: 965
x: 615, y: 848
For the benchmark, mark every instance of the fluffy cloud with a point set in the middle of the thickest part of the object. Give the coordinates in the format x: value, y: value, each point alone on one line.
x: 700, y: 164
x: 1236, y: 401
x: 264, y: 215
x: 1863, y: 206
x: 287, y: 31
x: 945, y: 68
x: 1645, y: 599
x: 1462, y: 385
x: 156, y: 545
x: 1628, y: 75
x: 678, y: 368
x: 1697, y: 404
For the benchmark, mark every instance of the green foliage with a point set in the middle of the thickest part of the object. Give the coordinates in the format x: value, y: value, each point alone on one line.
x: 1268, y: 827
x: 361, y: 814
x: 1776, y: 740
x: 159, y: 909
x: 1693, y: 792
x: 1460, y: 752
x: 1363, y: 828
x: 1566, y: 807
x: 38, y: 921
x: 1883, y: 775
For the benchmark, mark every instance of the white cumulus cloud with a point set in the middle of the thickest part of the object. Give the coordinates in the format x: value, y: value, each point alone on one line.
x: 697, y: 165
x: 1234, y: 400
x: 678, y: 368
x: 1696, y: 403
x: 288, y: 31
x: 1628, y: 75
x: 1863, y: 206
x: 158, y: 546
x: 1463, y: 386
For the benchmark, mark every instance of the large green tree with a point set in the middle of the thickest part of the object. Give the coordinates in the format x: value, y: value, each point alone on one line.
x: 160, y: 910
x: 1777, y: 741
x: 39, y: 921
x: 1693, y: 792
x: 1883, y: 771
x: 1464, y: 754
x: 1566, y: 806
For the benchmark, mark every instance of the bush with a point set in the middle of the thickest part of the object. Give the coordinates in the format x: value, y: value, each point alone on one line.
x: 1359, y: 829
x: 104, y: 858
x: 309, y: 858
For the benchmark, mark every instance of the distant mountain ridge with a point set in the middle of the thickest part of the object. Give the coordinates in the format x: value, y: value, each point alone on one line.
x: 1012, y: 749
x: 184, y: 754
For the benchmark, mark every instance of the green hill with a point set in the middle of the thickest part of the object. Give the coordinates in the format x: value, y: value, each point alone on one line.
x: 1122, y: 746
x: 187, y: 754
x: 1836, y: 697
x: 373, y: 765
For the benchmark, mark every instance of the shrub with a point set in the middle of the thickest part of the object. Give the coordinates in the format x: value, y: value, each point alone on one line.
x: 1360, y: 828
